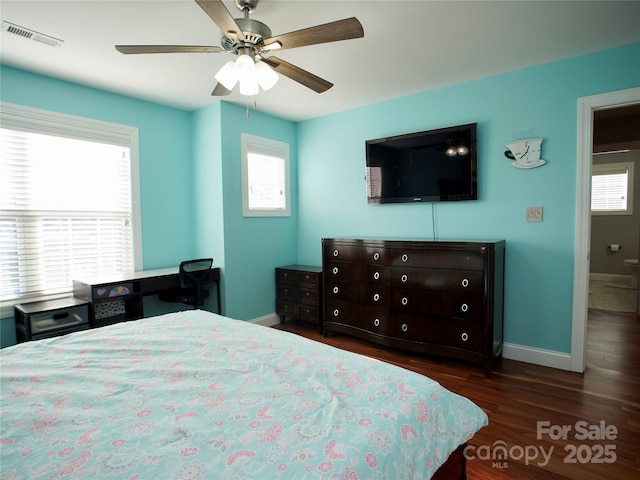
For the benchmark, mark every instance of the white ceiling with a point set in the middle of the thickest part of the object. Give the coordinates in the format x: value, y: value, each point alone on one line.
x: 408, y: 47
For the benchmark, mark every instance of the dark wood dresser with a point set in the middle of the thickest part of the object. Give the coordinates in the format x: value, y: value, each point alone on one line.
x: 299, y: 293
x: 433, y: 297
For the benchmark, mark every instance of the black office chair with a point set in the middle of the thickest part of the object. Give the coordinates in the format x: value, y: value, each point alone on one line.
x: 194, y: 274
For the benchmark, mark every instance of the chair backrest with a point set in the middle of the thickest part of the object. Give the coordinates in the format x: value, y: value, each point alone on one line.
x: 195, y: 274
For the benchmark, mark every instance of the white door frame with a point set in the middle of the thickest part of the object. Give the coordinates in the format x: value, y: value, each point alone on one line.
x: 586, y: 107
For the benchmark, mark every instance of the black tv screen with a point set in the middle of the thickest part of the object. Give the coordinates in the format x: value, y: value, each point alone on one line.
x: 432, y: 166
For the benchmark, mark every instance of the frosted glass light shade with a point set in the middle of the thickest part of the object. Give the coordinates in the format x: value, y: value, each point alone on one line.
x: 227, y: 75
x: 267, y: 78
x: 249, y: 85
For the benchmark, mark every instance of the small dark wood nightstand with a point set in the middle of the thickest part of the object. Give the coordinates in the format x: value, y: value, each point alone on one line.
x: 299, y: 293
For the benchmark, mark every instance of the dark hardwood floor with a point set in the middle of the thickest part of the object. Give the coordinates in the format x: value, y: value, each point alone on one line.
x: 602, y: 404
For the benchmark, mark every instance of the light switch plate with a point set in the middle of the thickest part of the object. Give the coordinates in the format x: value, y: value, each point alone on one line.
x: 534, y: 214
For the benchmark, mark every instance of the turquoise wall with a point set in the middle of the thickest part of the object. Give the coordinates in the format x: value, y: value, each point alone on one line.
x: 536, y: 102
x: 246, y: 248
x: 254, y: 246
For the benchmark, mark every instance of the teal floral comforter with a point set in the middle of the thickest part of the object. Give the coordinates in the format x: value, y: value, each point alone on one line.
x: 193, y: 395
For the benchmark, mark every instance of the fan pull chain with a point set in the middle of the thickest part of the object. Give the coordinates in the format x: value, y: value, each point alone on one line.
x: 255, y: 107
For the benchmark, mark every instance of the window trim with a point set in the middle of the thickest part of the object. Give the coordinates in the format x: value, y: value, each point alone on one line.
x: 29, y: 119
x: 622, y: 166
x: 264, y: 145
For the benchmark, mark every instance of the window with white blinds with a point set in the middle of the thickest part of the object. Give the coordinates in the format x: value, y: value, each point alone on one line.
x: 68, y: 202
x: 265, y: 177
x: 612, y: 189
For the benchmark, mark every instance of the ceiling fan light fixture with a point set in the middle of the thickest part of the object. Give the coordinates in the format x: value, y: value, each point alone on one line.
x: 267, y: 78
x: 249, y: 85
x: 244, y: 64
x: 227, y: 75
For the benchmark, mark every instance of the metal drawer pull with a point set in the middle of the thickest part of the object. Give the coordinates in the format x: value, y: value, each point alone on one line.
x: 405, y: 300
x: 404, y: 278
x: 336, y: 312
x: 335, y: 270
x: 376, y: 322
x: 464, y: 336
x: 376, y: 297
x: 335, y: 253
x: 405, y: 257
x: 336, y: 289
x: 464, y: 307
x: 376, y: 275
x: 376, y: 256
x: 404, y: 327
x: 465, y: 282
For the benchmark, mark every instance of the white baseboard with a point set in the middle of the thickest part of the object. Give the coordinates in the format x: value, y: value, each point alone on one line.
x: 610, y: 277
x: 267, y: 320
x: 537, y: 356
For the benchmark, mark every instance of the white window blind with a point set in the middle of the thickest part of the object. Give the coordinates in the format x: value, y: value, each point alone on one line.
x: 265, y: 177
x: 67, y: 206
x: 611, y: 188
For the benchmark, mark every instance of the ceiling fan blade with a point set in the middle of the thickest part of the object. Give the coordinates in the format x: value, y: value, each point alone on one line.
x: 135, y: 49
x: 221, y: 16
x: 299, y: 75
x: 220, y: 91
x: 329, y: 32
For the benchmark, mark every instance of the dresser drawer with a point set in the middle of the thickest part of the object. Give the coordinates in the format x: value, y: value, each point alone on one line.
x: 454, y: 259
x: 465, y: 282
x: 466, y: 335
x: 359, y: 293
x: 286, y: 308
x: 356, y: 253
x: 286, y: 293
x: 357, y: 272
x: 308, y: 296
x: 309, y: 312
x: 417, y: 301
x: 284, y: 276
x: 437, y: 304
x: 308, y: 278
x: 415, y: 328
x: 371, y: 319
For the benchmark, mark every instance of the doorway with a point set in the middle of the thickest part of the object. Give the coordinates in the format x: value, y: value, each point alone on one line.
x: 615, y: 235
x: 586, y: 108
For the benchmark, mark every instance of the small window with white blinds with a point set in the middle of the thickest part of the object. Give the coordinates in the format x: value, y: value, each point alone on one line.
x: 68, y: 202
x: 265, y: 177
x: 612, y: 189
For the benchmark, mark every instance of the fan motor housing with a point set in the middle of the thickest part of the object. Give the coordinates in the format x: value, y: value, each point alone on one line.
x: 254, y: 33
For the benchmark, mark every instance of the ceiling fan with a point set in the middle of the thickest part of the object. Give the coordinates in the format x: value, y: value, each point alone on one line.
x: 253, y: 43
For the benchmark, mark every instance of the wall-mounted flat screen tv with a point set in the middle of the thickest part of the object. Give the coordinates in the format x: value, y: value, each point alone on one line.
x: 432, y: 166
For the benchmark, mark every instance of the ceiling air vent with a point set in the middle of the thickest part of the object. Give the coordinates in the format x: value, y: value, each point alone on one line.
x: 31, y: 34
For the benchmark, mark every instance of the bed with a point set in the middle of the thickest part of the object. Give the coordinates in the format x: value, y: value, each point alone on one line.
x: 195, y: 395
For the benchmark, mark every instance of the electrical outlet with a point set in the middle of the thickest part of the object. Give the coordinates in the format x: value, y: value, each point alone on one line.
x: 534, y: 214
